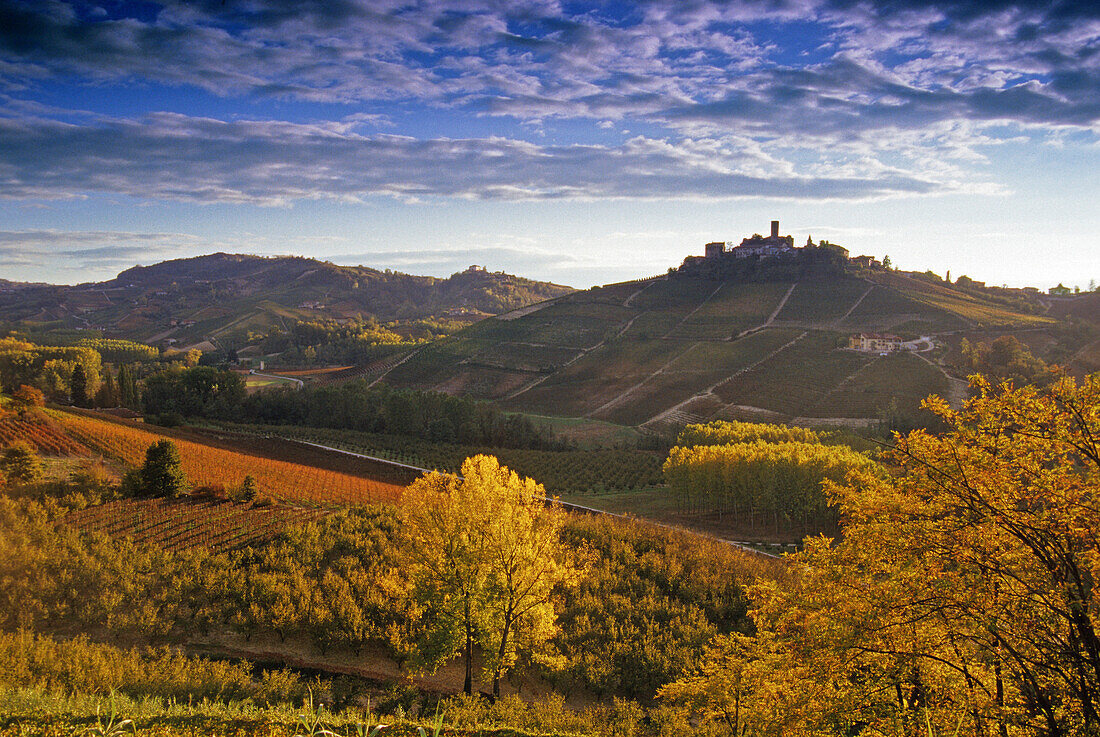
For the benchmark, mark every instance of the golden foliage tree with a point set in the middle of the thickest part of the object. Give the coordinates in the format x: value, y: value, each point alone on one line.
x: 486, y: 554
x: 961, y: 598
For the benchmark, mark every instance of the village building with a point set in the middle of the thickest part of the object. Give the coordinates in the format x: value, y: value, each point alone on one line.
x: 875, y: 343
x: 771, y: 245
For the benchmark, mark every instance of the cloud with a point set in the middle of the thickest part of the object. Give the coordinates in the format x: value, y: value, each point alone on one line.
x: 449, y: 260
x: 77, y: 253
x: 727, y: 63
x: 810, y: 99
x: 175, y: 157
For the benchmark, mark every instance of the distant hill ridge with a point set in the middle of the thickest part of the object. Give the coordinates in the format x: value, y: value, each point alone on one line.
x: 209, y: 296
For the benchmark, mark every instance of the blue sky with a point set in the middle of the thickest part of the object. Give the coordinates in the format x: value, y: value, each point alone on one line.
x: 581, y: 143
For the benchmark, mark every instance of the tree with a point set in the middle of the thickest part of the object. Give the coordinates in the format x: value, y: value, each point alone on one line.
x: 962, y: 597
x: 78, y: 386
x: 19, y: 462
x: 249, y: 489
x: 447, y: 552
x: 128, y: 395
x: 887, y: 263
x: 527, y: 561
x: 28, y: 396
x: 162, y: 473
x: 107, y: 396
x: 486, y: 554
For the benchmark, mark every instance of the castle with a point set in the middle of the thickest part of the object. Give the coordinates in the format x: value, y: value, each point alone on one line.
x: 762, y: 246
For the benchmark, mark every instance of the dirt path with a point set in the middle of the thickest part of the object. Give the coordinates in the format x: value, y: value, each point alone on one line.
x: 628, y: 300
x: 584, y: 352
x: 710, y: 390
x: 622, y: 397
x: 771, y: 317
x: 391, y: 368
x: 958, y: 391
x: 853, y: 307
x: 687, y: 317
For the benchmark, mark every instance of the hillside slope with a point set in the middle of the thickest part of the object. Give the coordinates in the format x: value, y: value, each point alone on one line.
x: 221, y: 295
x: 689, y: 348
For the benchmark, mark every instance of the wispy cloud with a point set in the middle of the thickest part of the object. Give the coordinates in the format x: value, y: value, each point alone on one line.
x: 78, y: 252
x: 803, y: 99
x: 264, y: 162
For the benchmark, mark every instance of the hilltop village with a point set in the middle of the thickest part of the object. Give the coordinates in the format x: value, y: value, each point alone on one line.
x: 766, y: 257
x: 775, y: 245
x: 773, y: 257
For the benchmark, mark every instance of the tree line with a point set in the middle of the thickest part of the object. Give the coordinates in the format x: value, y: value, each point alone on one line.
x: 759, y: 471
x: 355, y: 405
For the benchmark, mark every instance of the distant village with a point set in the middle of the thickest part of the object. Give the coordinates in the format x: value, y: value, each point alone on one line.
x: 779, y: 246
x: 775, y: 245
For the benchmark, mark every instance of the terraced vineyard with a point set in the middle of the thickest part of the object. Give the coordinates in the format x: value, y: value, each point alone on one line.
x: 633, y: 352
x: 903, y: 377
x: 821, y: 302
x: 209, y: 466
x: 796, y: 378
x: 180, y: 524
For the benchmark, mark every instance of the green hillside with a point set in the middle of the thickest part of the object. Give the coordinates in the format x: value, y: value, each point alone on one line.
x: 693, y: 346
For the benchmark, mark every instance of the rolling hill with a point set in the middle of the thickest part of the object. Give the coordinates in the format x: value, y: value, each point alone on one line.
x: 691, y: 347
x: 222, y: 297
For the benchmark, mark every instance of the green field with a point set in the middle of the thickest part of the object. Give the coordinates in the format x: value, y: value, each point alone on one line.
x: 821, y: 302
x: 795, y: 379
x: 694, y: 371
x: 902, y: 377
x: 599, y: 377
x: 735, y: 307
x: 659, y: 343
x: 972, y: 309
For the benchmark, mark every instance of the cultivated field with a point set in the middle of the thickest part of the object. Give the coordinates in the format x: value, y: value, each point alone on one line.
x: 194, y: 522
x: 217, y: 467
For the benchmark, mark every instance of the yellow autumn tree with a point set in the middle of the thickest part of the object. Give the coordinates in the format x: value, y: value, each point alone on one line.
x: 961, y: 598
x: 486, y: 554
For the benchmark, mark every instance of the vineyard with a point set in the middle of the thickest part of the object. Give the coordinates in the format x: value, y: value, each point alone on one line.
x: 46, y: 436
x: 558, y: 471
x: 209, y: 466
x: 181, y: 524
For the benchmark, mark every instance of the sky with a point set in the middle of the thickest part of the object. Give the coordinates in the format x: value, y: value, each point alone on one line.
x: 581, y: 143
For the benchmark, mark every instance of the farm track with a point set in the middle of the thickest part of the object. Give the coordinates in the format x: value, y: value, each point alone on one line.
x: 701, y: 305
x: 628, y: 300
x: 391, y: 368
x: 584, y: 352
x: 771, y: 317
x: 852, y: 309
x: 625, y: 395
x: 710, y: 389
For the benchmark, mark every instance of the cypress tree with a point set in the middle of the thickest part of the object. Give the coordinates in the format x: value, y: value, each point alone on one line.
x: 78, y: 386
x: 107, y: 396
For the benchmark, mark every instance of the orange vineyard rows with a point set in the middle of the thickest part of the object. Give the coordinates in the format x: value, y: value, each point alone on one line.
x: 40, y: 432
x: 208, y: 466
x: 216, y: 524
